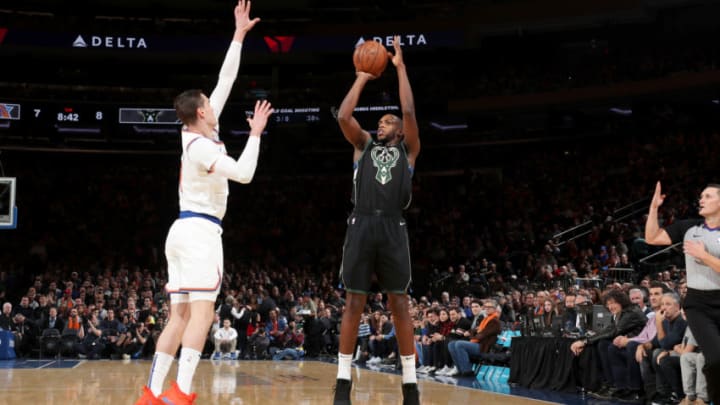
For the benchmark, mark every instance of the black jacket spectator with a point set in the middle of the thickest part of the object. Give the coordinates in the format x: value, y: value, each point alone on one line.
x: 629, y: 323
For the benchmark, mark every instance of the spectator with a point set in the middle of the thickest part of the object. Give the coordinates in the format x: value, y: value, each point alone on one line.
x: 74, y: 324
x: 258, y: 340
x: 266, y: 305
x: 428, y: 340
x: 25, y: 335
x: 376, y: 302
x: 225, y: 342
x: 477, y: 316
x: 6, y: 318
x: 52, y: 321
x: 628, y: 320
x: 481, y: 340
x: 242, y: 315
x: 91, y: 345
x: 551, y: 321
x: 42, y: 308
x: 292, y: 347
x: 275, y: 328
x: 694, y: 383
x: 670, y: 331
x: 622, y: 353
x: 112, y: 329
x: 441, y: 358
x: 25, y: 309
x: 458, y: 327
x: 224, y: 310
x: 638, y: 297
x: 364, y: 333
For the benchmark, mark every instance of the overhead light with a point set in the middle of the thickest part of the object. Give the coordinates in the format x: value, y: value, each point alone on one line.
x: 448, y: 127
x: 622, y: 111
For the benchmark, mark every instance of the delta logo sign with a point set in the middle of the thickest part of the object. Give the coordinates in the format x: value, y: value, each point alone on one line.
x: 109, y: 42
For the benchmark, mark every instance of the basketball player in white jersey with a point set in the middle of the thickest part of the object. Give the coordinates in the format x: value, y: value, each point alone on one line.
x: 194, y: 246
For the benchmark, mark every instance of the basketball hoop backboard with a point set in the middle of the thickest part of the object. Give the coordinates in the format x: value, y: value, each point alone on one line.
x: 8, y: 210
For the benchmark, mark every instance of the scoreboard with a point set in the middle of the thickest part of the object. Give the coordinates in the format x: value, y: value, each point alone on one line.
x: 116, y: 121
x: 119, y: 121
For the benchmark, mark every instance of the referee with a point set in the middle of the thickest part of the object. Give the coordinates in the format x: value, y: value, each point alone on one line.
x: 701, y: 244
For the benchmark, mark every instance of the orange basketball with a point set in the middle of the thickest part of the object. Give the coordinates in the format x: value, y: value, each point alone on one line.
x: 370, y: 57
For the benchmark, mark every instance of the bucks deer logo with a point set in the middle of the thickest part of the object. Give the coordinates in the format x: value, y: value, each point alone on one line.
x: 384, y: 159
x: 150, y: 116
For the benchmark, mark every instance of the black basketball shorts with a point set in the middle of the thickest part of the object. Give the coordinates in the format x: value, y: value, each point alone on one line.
x: 376, y: 245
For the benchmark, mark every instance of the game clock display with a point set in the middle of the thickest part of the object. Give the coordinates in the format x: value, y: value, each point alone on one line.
x: 81, y: 114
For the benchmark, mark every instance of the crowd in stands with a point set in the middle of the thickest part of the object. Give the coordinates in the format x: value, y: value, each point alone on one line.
x: 119, y: 315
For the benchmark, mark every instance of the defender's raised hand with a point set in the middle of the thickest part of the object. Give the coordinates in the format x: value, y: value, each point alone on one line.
x: 263, y: 110
x: 243, y: 23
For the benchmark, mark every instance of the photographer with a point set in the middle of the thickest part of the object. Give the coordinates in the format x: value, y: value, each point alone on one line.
x: 92, y: 344
x: 292, y: 341
x: 258, y: 342
x: 130, y: 343
x: 25, y: 336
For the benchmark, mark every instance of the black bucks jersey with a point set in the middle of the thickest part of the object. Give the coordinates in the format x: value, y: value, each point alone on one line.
x: 382, y: 180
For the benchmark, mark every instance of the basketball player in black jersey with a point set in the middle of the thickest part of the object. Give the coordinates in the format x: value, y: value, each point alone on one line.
x: 376, y: 241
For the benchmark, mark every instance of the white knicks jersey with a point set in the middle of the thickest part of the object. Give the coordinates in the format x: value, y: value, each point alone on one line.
x: 200, y: 190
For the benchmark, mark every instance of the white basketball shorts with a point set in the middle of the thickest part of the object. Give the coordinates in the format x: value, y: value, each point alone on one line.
x: 194, y: 254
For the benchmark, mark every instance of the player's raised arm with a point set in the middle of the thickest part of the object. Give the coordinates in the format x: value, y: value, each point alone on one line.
x: 231, y: 64
x: 351, y: 129
x: 243, y: 169
x: 243, y: 23
x: 410, y: 129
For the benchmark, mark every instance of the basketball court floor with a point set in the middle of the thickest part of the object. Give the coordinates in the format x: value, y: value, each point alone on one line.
x: 225, y: 382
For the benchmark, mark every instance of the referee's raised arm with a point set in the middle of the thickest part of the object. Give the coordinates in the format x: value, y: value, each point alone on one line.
x: 654, y: 235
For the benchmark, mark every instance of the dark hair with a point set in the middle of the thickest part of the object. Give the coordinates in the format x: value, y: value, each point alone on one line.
x: 186, y: 105
x: 660, y: 284
x: 618, y: 296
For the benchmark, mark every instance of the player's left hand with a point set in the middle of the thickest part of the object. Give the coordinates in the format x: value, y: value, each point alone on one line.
x: 263, y: 110
x: 396, y: 59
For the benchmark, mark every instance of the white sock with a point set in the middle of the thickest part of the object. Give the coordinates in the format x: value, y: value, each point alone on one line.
x: 158, y: 371
x: 408, y: 369
x: 344, y: 364
x: 189, y: 359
